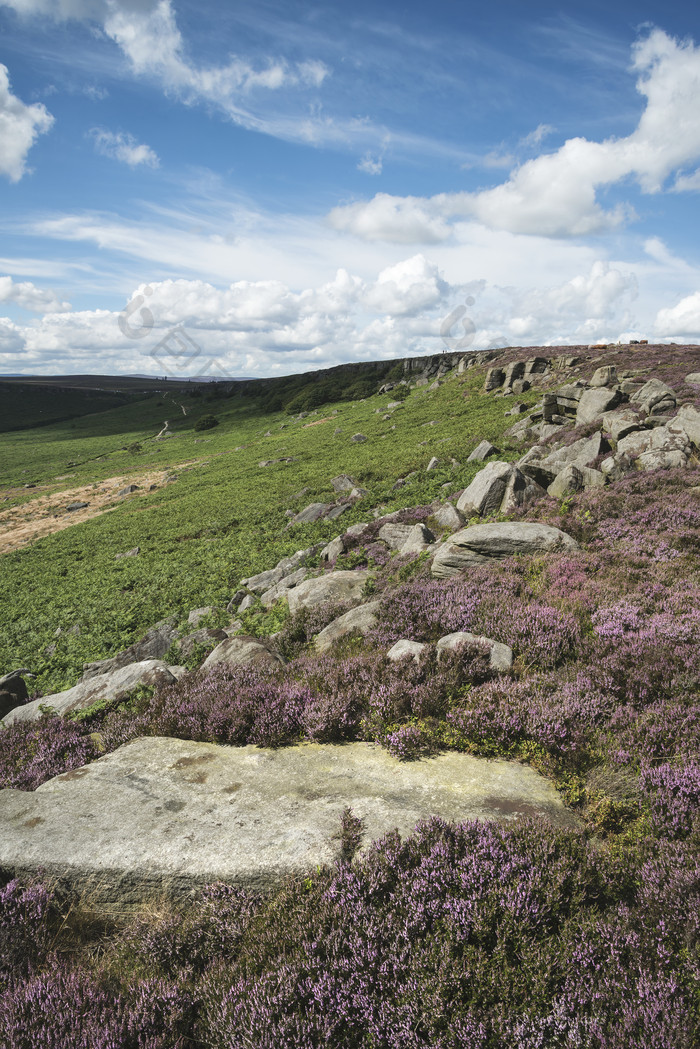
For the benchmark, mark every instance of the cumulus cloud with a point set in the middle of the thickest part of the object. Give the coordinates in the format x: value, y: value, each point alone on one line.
x: 265, y: 327
x: 681, y: 319
x: 123, y: 147
x: 556, y: 194
x: 20, y: 125
x: 29, y: 297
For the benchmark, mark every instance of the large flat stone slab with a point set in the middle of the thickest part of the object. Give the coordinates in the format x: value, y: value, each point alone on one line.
x: 163, y: 815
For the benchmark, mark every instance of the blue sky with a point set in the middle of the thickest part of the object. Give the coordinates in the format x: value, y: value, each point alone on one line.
x: 258, y: 189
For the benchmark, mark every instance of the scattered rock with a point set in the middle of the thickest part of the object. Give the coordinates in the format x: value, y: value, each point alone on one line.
x: 356, y: 530
x: 72, y: 507
x: 693, y: 378
x: 483, y: 451
x: 248, y: 602
x: 358, y: 438
x: 358, y: 620
x: 418, y: 539
x: 340, y: 508
x: 604, y: 376
x: 334, y: 586
x: 108, y: 687
x: 448, y: 517
x: 235, y: 601
x: 594, y: 403
x: 134, y: 552
x: 334, y: 549
x: 404, y: 648
x: 620, y: 423
x: 281, y: 588
x: 197, y: 614
x: 13, y: 690
x: 487, y: 492
x: 655, y: 398
x: 343, y: 483
x: 129, y: 489
x: 394, y: 535
x: 483, y: 543
x: 500, y: 655
x: 241, y: 650
x: 312, y: 512
x: 433, y: 464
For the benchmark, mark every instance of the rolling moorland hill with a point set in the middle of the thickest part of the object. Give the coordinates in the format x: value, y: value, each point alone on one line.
x: 493, y: 556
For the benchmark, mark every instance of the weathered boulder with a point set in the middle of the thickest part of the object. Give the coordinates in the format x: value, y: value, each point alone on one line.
x: 128, y: 490
x: 449, y: 517
x: 621, y: 423
x: 134, y: 552
x: 358, y: 620
x: 693, y: 378
x: 197, y: 614
x: 334, y: 549
x: 340, y: 508
x: 689, y: 419
x: 483, y: 451
x: 580, y: 453
x: 264, y: 580
x: 573, y: 479
x: 568, y: 396
x: 661, y: 459
x: 500, y: 655
x: 72, y: 507
x: 152, y: 645
x: 594, y: 403
x: 112, y: 686
x: 394, y: 535
x: 482, y: 543
x: 420, y: 538
x: 433, y: 464
x: 312, y: 512
x: 655, y: 398
x: 334, y: 586
x: 240, y: 650
x: 343, y: 483
x: 403, y: 648
x: 358, y: 438
x: 487, y: 492
x: 161, y: 816
x: 669, y: 438
x: 616, y: 466
x: 604, y: 376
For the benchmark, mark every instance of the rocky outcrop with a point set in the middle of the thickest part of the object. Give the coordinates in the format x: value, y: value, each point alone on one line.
x: 483, y: 543
x: 594, y: 403
x: 161, y: 816
x: 655, y: 398
x: 483, y: 451
x: 108, y: 687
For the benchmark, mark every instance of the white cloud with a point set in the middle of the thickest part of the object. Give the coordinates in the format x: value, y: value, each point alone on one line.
x: 20, y: 125
x: 147, y: 33
x: 555, y: 194
x: 29, y: 297
x: 681, y: 319
x: 123, y: 147
x: 371, y: 165
x: 267, y: 327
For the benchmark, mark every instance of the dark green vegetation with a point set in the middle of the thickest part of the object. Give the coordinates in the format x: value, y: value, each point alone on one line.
x: 26, y: 405
x: 221, y: 520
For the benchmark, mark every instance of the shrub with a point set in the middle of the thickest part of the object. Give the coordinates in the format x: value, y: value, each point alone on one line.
x: 206, y: 422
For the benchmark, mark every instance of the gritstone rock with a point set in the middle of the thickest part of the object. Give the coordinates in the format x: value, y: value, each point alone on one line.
x: 334, y: 586
x: 240, y: 650
x: 483, y: 543
x: 358, y: 620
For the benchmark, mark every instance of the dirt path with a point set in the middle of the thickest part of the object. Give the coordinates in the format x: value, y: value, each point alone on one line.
x: 46, y: 512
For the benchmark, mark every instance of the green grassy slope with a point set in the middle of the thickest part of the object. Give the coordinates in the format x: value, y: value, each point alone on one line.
x: 221, y: 520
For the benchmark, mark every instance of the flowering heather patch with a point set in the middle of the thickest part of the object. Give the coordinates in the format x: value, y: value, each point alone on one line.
x: 492, y: 602
x: 673, y: 792
x: 33, y: 751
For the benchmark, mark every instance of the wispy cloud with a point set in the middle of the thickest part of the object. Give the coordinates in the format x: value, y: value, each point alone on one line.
x: 123, y: 147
